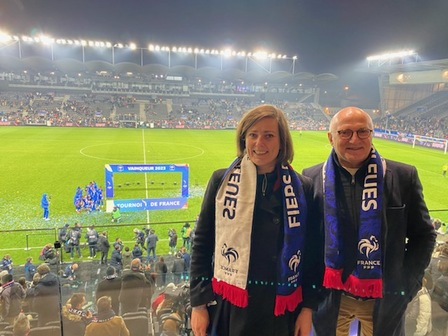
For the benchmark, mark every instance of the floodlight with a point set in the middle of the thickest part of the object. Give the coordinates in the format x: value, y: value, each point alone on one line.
x: 391, y: 55
x: 46, y: 39
x: 260, y: 55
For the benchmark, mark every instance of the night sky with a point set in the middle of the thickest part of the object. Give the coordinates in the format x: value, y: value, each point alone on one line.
x: 326, y: 35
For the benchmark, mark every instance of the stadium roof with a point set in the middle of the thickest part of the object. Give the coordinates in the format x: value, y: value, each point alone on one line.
x: 441, y: 64
x: 38, y: 64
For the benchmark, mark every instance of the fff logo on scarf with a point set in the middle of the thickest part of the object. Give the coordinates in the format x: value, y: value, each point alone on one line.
x: 231, y: 255
x: 367, y: 246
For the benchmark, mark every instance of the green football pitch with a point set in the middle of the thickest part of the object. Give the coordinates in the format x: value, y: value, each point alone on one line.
x: 37, y: 160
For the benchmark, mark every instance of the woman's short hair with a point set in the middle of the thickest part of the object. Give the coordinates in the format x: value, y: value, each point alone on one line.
x: 286, y: 154
x: 104, y: 304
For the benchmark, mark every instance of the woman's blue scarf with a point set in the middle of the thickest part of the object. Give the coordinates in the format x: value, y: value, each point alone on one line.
x: 366, y: 279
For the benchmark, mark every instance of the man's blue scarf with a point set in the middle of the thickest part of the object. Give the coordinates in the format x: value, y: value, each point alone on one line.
x: 235, y: 202
x: 366, y: 279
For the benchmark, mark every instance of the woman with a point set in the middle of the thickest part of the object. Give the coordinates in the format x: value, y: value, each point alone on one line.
x: 251, y: 271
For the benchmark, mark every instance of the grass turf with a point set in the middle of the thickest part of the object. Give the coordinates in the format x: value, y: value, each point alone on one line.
x: 57, y: 160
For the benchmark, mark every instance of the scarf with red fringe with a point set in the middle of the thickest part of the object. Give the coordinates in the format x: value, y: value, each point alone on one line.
x: 366, y: 278
x: 235, y: 201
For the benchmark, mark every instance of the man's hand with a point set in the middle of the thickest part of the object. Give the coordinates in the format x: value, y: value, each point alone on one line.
x: 304, y: 323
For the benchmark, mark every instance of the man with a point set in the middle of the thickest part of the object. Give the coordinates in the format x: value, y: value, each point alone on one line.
x: 185, y: 232
x: 63, y: 233
x: 45, y: 205
x: 46, y: 296
x: 106, y: 322
x: 110, y: 286
x: 151, y: 244
x: 187, y: 258
x: 92, y: 240
x: 178, y: 268
x: 70, y: 272
x: 378, y: 233
x: 116, y: 215
x: 103, y: 246
x: 74, y: 240
x: 136, y: 291
x: 116, y: 259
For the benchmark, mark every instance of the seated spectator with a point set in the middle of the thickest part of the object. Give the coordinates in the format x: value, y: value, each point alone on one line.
x: 21, y: 325
x: 11, y: 296
x: 105, y: 322
x: 74, y: 317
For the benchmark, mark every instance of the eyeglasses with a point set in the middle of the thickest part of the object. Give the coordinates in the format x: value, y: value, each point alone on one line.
x: 347, y: 134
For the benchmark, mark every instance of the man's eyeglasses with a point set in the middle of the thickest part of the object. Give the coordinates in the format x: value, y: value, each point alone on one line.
x: 347, y: 134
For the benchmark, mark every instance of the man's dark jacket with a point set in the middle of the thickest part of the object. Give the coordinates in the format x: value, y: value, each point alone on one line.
x: 408, y: 239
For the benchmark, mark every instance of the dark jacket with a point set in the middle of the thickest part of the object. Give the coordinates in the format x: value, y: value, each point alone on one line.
x: 110, y: 286
x: 267, y: 237
x: 408, y: 239
x: 46, y: 299
x: 135, y: 291
x: 103, y: 244
x: 116, y: 260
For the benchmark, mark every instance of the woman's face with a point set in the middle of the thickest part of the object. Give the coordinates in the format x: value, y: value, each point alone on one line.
x: 263, y: 144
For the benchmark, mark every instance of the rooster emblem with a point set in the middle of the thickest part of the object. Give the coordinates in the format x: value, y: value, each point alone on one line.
x: 229, y: 253
x: 366, y: 246
x: 294, y: 262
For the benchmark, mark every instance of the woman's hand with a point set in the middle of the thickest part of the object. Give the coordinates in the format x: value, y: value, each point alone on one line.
x: 200, y: 321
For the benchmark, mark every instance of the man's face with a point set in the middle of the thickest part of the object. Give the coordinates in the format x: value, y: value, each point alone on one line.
x: 354, y: 151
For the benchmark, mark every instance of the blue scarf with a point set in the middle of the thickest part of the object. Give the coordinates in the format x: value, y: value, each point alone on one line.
x: 235, y: 202
x: 366, y: 278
